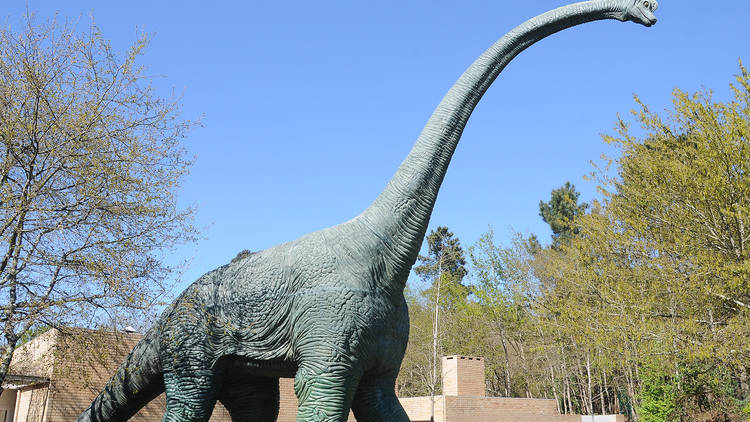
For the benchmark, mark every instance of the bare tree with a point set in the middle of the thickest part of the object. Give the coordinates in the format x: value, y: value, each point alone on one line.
x: 90, y: 161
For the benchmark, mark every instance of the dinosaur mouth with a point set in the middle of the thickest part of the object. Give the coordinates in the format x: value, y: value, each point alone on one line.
x: 647, y: 19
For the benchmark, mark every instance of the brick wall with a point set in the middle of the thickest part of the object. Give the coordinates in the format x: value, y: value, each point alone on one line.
x: 497, y: 409
x: 287, y: 401
x: 35, y: 358
x: 419, y: 408
x: 463, y: 376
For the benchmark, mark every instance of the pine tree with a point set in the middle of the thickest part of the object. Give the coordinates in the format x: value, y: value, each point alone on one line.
x: 561, y: 212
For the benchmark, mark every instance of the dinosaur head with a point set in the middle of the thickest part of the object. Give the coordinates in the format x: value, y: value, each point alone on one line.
x: 638, y: 11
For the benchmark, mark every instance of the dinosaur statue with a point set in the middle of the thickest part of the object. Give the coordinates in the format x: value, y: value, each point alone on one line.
x: 328, y: 308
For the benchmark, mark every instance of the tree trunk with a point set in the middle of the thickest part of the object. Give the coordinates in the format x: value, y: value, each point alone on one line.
x: 581, y: 386
x: 551, y: 372
x: 566, y: 375
x: 605, y: 393
x: 507, y: 362
x: 554, y: 388
x: 5, y: 359
x: 567, y: 390
x: 588, y: 376
x: 525, y: 366
x: 744, y: 387
x: 631, y: 392
x: 435, y: 328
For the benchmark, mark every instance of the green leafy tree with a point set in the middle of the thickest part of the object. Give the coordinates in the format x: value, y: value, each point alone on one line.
x: 415, y: 375
x: 504, y: 283
x: 444, y: 256
x: 657, y: 398
x: 684, y: 195
x: 90, y: 162
x: 561, y: 212
x: 657, y: 276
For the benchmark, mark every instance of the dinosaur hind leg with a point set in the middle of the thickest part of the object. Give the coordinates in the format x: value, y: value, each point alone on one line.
x: 325, y: 391
x: 191, y: 395
x: 251, y: 399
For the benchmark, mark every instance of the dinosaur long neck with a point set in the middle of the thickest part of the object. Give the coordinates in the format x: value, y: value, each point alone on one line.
x: 401, y: 213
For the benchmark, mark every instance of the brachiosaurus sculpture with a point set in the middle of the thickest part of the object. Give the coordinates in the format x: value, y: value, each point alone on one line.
x: 327, y: 308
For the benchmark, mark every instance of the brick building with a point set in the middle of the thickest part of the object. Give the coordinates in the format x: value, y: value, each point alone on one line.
x: 55, y: 376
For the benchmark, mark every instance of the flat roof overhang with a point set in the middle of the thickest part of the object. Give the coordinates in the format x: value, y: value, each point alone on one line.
x: 17, y: 382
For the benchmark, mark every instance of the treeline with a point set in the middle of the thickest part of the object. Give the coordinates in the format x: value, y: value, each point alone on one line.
x: 640, y: 304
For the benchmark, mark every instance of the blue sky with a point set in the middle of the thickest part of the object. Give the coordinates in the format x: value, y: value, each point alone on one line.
x: 309, y: 107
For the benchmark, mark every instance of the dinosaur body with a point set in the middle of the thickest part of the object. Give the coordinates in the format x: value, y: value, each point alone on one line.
x: 327, y: 308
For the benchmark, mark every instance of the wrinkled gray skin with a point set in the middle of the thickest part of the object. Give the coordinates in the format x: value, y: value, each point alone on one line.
x: 327, y: 308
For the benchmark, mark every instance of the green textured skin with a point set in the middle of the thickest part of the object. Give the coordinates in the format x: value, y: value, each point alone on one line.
x: 327, y: 308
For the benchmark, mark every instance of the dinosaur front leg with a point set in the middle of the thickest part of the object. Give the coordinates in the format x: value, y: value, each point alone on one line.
x: 191, y: 394
x: 325, y: 391
x: 376, y: 401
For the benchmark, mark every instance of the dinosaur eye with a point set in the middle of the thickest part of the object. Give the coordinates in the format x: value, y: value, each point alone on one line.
x: 646, y: 4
